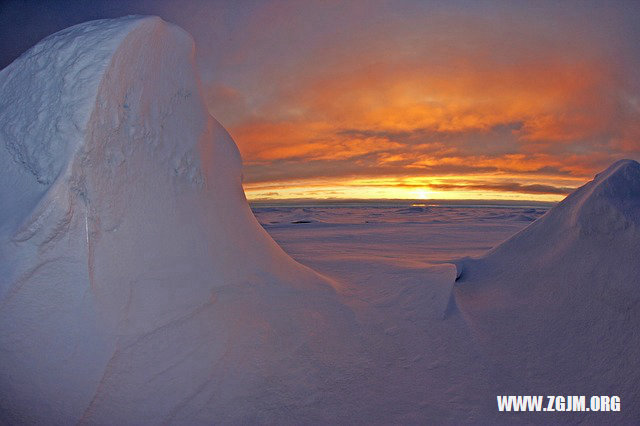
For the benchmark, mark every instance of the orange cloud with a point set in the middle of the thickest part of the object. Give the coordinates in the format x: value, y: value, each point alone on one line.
x: 470, y: 104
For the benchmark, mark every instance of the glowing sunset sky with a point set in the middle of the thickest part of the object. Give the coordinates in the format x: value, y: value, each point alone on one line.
x: 402, y: 99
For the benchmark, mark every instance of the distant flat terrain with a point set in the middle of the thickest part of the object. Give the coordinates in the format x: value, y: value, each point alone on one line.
x: 416, y: 235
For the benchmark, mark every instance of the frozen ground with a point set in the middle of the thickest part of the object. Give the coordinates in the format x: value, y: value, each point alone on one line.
x: 412, y: 234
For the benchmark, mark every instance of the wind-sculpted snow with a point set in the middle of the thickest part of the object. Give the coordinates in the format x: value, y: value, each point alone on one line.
x: 47, y: 98
x: 557, y: 306
x: 136, y: 285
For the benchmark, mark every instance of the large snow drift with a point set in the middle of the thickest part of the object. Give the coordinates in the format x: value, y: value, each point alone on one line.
x: 135, y: 283
x: 136, y: 286
x: 556, y: 308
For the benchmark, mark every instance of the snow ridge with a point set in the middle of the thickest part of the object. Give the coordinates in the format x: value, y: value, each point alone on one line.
x: 612, y: 202
x: 133, y: 276
x: 59, y: 72
x: 561, y: 297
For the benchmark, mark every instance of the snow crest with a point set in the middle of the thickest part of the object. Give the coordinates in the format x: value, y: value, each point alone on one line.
x: 611, y: 204
x: 556, y: 307
x: 136, y: 285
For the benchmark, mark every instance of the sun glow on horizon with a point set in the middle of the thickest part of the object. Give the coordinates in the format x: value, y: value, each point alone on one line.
x: 423, y: 194
x: 414, y: 188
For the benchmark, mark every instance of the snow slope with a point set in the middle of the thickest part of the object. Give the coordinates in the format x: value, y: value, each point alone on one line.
x: 556, y: 307
x: 449, y: 370
x: 135, y: 283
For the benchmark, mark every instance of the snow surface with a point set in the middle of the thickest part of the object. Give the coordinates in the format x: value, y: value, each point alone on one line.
x: 136, y: 282
x: 137, y: 287
x: 561, y: 297
x: 575, y: 334
x: 402, y: 234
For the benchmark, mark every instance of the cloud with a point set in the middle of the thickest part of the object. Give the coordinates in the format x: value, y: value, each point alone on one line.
x: 506, y: 186
x: 529, y: 109
x: 519, y: 97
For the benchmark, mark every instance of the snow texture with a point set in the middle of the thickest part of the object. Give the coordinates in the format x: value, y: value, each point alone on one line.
x: 137, y: 287
x: 135, y: 281
x: 556, y: 308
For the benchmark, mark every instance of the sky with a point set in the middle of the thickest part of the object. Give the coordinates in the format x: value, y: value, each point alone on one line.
x: 401, y: 99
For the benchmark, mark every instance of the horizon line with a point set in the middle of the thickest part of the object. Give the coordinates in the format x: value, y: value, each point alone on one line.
x: 404, y: 201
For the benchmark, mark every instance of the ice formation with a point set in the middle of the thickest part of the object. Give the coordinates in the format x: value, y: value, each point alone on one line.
x: 135, y: 283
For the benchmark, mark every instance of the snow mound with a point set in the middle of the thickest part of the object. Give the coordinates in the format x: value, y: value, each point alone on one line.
x: 612, y: 203
x: 556, y: 307
x: 136, y: 285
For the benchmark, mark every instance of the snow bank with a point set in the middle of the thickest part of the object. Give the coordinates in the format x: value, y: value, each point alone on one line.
x: 135, y: 284
x: 556, y: 307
